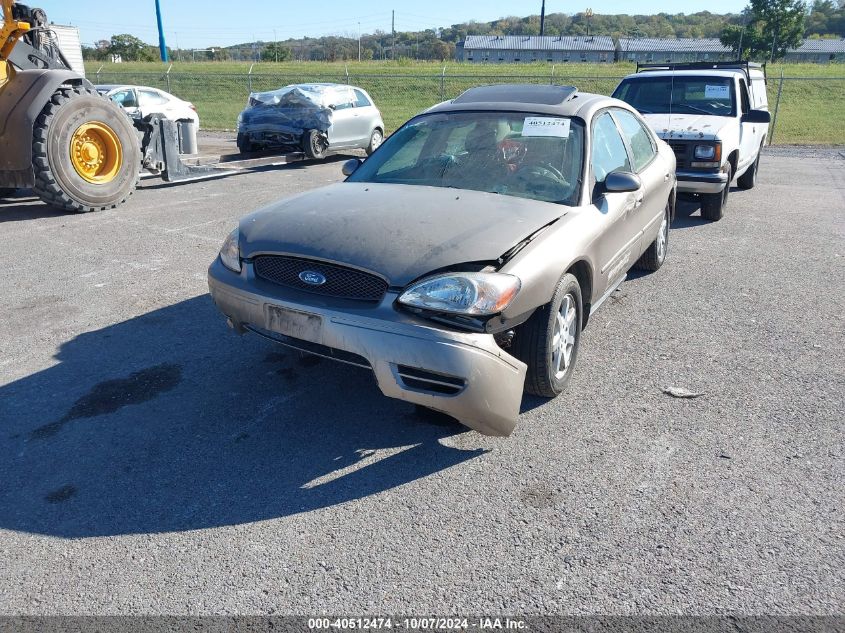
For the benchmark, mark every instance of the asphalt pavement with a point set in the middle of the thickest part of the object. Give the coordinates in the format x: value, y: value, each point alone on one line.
x: 155, y: 462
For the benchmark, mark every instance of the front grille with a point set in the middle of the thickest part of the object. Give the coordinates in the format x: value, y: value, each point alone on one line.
x: 681, y: 154
x: 423, y: 380
x: 340, y: 281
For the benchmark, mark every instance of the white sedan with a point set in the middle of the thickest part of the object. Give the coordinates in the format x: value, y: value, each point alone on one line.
x: 140, y: 101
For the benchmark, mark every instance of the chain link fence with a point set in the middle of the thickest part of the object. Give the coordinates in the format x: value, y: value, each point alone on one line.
x: 807, y: 110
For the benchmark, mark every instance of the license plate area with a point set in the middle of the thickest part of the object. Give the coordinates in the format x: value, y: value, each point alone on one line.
x: 296, y: 324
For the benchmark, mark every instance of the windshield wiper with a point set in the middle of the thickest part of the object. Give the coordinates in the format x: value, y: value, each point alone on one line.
x: 694, y: 109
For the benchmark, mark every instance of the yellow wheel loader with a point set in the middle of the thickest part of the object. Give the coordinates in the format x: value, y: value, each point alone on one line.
x: 76, y: 149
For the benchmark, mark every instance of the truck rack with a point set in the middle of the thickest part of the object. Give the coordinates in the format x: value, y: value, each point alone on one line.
x: 745, y: 66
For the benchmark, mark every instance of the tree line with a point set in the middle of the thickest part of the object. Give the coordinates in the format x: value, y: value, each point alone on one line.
x: 764, y: 28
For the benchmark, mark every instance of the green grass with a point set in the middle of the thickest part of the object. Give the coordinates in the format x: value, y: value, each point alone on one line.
x: 812, y: 111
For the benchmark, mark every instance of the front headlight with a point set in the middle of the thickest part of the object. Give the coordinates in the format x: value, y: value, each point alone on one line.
x: 706, y: 152
x: 230, y: 253
x: 476, y: 294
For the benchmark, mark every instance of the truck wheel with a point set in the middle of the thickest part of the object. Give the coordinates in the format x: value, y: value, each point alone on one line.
x: 548, y: 341
x: 713, y: 204
x: 315, y: 144
x: 376, y: 139
x: 749, y: 178
x: 245, y: 146
x: 85, y: 153
x: 655, y: 254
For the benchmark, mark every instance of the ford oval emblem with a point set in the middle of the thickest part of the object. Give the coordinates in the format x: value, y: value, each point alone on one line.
x: 312, y: 278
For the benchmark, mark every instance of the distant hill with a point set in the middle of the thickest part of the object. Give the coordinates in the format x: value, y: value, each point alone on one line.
x: 826, y: 18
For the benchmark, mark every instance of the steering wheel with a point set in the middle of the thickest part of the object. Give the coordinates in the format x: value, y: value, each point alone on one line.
x: 544, y: 171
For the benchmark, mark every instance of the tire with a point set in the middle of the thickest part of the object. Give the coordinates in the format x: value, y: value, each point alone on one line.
x: 713, y: 204
x: 314, y: 144
x: 105, y: 169
x: 534, y: 341
x: 655, y: 254
x: 245, y: 146
x: 376, y: 139
x: 749, y: 178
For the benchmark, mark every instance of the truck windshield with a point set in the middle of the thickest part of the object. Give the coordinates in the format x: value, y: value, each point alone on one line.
x: 679, y: 94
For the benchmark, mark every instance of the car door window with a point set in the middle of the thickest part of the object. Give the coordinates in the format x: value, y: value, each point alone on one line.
x: 609, y: 153
x: 150, y: 98
x: 343, y: 99
x: 743, y: 96
x: 639, y: 139
x: 126, y: 98
x: 361, y: 100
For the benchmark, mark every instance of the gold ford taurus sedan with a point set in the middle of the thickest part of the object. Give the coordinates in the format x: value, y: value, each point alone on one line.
x: 461, y: 261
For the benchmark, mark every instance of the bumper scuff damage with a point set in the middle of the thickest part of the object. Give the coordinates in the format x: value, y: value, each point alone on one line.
x: 463, y: 374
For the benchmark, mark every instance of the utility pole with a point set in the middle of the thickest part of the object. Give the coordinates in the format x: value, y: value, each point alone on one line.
x: 162, y: 46
x: 276, y: 45
x: 359, y: 41
x: 543, y: 19
x: 393, y: 35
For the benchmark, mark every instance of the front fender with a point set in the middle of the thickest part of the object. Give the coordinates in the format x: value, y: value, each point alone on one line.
x: 22, y: 100
x: 541, y: 264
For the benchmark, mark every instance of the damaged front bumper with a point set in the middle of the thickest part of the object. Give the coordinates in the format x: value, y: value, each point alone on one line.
x: 463, y: 374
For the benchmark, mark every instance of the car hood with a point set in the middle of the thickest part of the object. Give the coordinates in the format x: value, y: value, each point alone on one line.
x: 399, y: 231
x: 687, y: 126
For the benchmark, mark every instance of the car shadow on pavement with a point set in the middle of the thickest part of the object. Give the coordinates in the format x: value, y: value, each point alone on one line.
x: 170, y: 422
x: 684, y: 210
x: 686, y: 207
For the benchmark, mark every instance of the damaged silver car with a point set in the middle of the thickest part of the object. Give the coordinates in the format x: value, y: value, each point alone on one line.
x: 461, y: 261
x: 311, y: 118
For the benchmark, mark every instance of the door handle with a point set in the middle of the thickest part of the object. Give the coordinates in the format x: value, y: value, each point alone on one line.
x: 666, y: 178
x: 638, y: 202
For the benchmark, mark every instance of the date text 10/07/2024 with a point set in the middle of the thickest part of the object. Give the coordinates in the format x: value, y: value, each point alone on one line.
x: 419, y: 624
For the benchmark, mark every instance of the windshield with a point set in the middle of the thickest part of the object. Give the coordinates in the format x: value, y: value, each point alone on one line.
x: 514, y: 154
x: 679, y: 94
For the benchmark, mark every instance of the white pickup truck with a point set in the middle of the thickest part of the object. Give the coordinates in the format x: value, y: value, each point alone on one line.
x: 714, y: 116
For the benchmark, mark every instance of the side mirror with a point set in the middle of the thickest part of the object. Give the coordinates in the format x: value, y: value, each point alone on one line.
x: 756, y: 116
x: 350, y: 166
x: 622, y: 182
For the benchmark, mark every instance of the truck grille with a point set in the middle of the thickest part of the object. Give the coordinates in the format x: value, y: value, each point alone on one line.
x: 340, y: 281
x: 681, y: 154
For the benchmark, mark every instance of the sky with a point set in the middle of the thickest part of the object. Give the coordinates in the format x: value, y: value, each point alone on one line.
x: 195, y: 24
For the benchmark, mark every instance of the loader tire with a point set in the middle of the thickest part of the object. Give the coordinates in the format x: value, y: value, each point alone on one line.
x: 85, y: 153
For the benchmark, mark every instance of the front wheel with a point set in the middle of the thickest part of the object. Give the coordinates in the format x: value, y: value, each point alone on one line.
x: 245, y: 146
x: 713, y: 204
x: 548, y: 342
x: 749, y: 178
x: 85, y: 154
x: 376, y: 139
x: 315, y: 144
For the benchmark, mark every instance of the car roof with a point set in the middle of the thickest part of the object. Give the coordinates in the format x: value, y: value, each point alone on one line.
x: 530, y: 98
x: 323, y: 85
x: 110, y: 87
x: 690, y: 73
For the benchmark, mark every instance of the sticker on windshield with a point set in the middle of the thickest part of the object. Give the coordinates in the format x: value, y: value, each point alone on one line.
x: 545, y: 126
x: 717, y: 92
